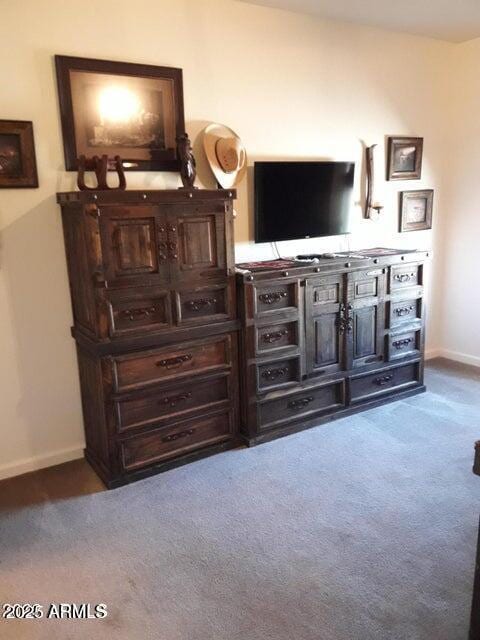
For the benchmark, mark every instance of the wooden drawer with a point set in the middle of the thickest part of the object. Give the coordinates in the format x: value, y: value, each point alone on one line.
x: 369, y: 386
x: 204, y: 304
x: 405, y: 275
x: 133, y: 313
x: 366, y: 284
x: 176, y: 440
x: 275, y: 297
x: 273, y: 375
x: 404, y: 344
x: 149, y: 367
x: 405, y: 311
x: 270, y: 337
x: 144, y: 410
x: 307, y: 403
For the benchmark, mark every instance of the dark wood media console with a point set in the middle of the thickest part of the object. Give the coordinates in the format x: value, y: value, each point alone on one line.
x: 152, y: 281
x: 320, y: 341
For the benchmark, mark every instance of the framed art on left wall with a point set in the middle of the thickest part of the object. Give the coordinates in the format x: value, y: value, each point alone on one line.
x: 111, y: 108
x: 18, y: 166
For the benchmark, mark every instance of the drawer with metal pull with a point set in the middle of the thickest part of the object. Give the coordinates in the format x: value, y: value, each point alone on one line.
x: 205, y: 304
x: 176, y: 440
x: 369, y: 386
x: 130, y: 312
x: 272, y: 337
x: 405, y: 311
x: 280, y: 373
x: 405, y: 275
x: 308, y: 402
x: 404, y: 344
x: 143, y: 409
x: 275, y: 297
x: 149, y: 367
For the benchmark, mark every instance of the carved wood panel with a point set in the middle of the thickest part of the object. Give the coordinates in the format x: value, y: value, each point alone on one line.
x: 365, y: 317
x: 196, y: 245
x: 324, y: 325
x: 132, y: 245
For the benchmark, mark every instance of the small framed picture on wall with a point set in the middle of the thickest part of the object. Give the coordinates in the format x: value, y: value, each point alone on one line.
x: 404, y: 158
x: 18, y: 167
x: 416, y: 210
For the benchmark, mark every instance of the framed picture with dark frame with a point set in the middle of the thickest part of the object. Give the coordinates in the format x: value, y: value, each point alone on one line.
x: 416, y: 210
x: 18, y: 166
x: 404, y: 158
x: 131, y: 110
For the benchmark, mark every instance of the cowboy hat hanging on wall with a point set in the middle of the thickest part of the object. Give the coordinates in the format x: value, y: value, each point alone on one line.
x: 225, y: 154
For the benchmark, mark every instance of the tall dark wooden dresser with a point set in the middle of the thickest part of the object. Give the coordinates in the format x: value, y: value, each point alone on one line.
x: 153, y: 293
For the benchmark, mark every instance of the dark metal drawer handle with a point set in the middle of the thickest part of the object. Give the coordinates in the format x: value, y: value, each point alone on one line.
x: 274, y: 336
x: 404, y: 311
x: 399, y: 344
x: 196, y: 305
x: 272, y: 297
x: 132, y: 314
x: 383, y: 380
x: 273, y: 374
x: 174, y: 400
x: 300, y: 403
x: 177, y: 436
x: 170, y: 363
x: 403, y: 277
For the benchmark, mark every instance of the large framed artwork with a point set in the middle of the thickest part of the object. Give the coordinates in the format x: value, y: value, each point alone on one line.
x: 404, y: 158
x: 120, y: 108
x: 18, y: 167
x: 416, y: 210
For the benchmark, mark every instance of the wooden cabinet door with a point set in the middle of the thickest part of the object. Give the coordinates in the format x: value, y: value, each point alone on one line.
x: 365, y: 317
x: 196, y: 242
x: 133, y: 245
x: 325, y: 330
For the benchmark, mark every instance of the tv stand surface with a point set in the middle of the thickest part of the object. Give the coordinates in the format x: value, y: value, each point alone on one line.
x: 316, y: 257
x: 326, y: 339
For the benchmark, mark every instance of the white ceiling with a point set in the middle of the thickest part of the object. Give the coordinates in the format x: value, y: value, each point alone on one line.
x: 452, y: 20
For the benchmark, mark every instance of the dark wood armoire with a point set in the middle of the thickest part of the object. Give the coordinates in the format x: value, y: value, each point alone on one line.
x: 153, y: 293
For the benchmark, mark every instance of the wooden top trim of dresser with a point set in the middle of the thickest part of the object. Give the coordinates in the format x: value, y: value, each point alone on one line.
x: 116, y: 196
x: 332, y: 267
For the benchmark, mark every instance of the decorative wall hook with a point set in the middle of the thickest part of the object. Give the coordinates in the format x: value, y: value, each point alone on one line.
x: 100, y: 166
x: 372, y: 208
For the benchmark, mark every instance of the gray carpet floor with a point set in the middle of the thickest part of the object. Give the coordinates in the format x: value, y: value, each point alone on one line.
x: 361, y: 529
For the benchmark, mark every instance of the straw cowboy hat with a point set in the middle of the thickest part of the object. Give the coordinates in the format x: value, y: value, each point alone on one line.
x: 226, y: 154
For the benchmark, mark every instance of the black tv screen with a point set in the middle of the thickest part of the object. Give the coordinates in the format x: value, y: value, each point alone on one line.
x: 296, y: 200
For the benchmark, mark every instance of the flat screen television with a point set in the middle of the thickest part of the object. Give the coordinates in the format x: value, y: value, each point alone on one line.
x: 295, y: 200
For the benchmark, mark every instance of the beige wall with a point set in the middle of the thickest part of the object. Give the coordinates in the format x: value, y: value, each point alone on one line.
x: 292, y: 86
x: 459, y: 245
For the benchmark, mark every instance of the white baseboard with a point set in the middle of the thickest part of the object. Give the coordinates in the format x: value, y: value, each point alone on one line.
x: 40, y: 462
x: 464, y: 358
